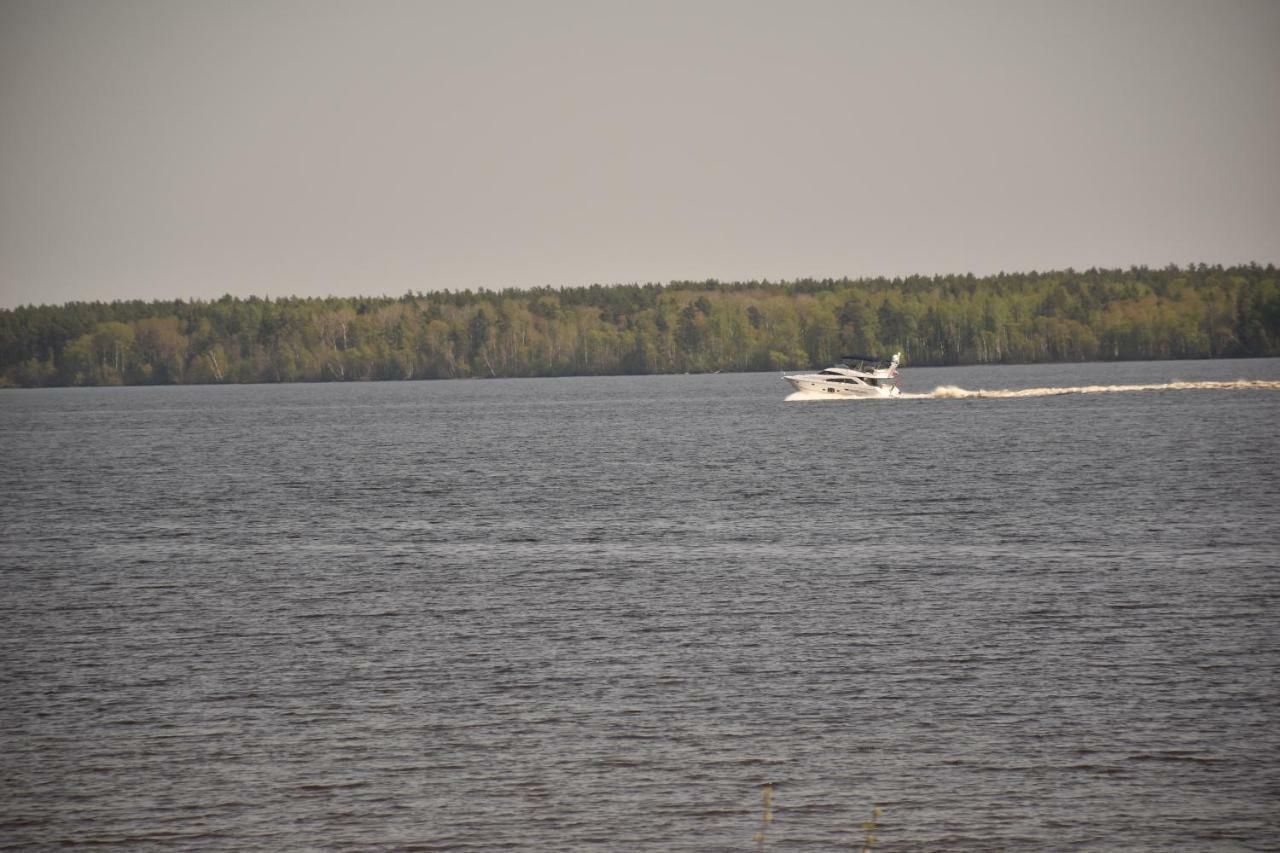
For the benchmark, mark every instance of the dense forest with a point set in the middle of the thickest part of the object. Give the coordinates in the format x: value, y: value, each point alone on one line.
x: 1138, y: 313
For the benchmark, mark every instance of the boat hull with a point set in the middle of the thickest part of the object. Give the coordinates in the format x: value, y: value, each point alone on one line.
x: 818, y: 385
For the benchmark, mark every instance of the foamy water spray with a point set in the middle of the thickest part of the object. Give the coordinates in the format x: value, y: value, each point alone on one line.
x: 952, y: 392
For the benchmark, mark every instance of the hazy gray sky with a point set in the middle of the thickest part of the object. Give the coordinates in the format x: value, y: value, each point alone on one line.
x: 190, y: 149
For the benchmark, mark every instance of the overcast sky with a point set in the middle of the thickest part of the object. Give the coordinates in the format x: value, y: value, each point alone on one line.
x: 190, y: 149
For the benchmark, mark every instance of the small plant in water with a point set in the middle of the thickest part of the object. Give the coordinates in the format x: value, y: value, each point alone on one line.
x: 766, y: 818
x: 870, y: 827
x: 766, y: 797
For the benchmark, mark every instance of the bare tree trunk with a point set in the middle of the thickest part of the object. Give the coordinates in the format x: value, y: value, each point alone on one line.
x: 213, y: 362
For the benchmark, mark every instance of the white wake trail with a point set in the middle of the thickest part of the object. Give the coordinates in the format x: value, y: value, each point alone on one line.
x: 951, y: 392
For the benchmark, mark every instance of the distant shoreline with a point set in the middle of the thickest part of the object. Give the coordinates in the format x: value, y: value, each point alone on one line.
x: 606, y: 375
x: 1068, y: 316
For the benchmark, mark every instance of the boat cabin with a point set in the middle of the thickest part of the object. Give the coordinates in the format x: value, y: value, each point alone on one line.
x: 867, y: 363
x: 843, y: 378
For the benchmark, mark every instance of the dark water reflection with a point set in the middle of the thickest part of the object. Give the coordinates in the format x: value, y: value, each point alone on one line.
x: 598, y: 613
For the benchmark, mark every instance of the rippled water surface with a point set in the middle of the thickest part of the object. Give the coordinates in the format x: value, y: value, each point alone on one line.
x: 597, y: 614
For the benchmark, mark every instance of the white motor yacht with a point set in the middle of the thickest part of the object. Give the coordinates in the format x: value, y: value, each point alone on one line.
x: 855, y: 376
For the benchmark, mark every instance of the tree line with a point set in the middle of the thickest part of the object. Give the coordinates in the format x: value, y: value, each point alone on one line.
x: 1111, y: 314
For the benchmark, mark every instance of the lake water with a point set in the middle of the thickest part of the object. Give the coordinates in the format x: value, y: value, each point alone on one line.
x: 600, y: 613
